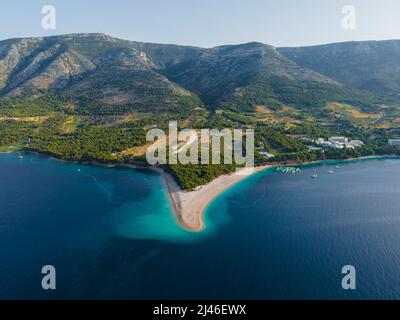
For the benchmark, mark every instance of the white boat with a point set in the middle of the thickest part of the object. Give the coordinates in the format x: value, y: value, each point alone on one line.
x: 331, y: 172
x: 315, y: 175
x: 20, y: 156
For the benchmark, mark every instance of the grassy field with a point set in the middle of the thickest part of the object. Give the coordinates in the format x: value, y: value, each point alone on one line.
x: 38, y: 119
x: 262, y: 109
x: 349, y: 112
x: 12, y: 148
x: 71, y: 124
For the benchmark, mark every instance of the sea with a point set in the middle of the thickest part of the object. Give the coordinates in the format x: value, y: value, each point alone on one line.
x: 110, y: 233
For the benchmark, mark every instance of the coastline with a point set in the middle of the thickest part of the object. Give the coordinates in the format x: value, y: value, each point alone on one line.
x: 189, y: 206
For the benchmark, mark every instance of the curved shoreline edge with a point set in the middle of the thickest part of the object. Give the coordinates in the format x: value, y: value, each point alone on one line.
x: 189, y: 206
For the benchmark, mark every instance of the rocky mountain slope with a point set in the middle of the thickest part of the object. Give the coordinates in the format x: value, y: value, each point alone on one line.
x: 95, y: 70
x: 88, y: 67
x: 252, y: 74
x: 366, y: 65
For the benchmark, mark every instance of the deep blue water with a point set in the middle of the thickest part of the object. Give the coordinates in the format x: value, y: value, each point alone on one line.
x: 110, y: 234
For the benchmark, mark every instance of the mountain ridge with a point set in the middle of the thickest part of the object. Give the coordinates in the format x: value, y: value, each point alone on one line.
x: 95, y: 68
x: 366, y: 65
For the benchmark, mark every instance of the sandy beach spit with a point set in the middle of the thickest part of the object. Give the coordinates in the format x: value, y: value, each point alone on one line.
x: 189, y: 206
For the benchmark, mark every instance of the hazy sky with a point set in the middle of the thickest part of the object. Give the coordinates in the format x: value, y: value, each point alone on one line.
x: 207, y: 23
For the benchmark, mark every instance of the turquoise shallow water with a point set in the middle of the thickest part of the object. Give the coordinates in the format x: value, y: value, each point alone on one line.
x: 110, y: 233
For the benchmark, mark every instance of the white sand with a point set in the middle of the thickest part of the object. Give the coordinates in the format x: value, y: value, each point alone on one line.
x: 189, y: 206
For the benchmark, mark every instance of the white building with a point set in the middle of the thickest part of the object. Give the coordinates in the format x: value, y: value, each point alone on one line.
x: 394, y: 142
x: 355, y: 144
x: 313, y: 148
x: 342, y: 140
x: 339, y: 143
x: 330, y: 144
x: 266, y: 154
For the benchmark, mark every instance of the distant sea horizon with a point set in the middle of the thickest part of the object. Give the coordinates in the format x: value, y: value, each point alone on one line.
x: 111, y: 233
